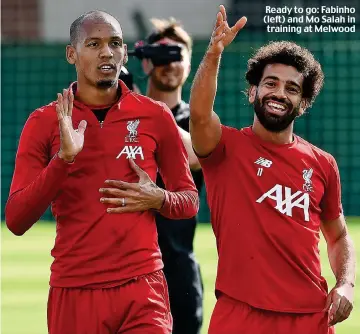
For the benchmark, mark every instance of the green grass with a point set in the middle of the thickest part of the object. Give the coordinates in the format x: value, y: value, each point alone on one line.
x: 25, y: 274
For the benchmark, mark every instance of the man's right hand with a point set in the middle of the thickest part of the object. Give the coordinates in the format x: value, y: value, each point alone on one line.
x: 71, y: 141
x: 222, y: 34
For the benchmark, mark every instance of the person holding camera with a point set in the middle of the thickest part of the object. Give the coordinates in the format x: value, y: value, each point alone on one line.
x: 165, y: 58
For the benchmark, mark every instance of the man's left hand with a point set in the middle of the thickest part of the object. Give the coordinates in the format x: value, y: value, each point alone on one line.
x: 132, y: 197
x: 339, y: 303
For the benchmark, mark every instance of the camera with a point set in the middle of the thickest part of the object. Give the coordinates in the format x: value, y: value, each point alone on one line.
x: 159, y: 54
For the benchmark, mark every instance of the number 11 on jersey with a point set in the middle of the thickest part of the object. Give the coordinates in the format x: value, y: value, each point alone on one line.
x: 260, y: 171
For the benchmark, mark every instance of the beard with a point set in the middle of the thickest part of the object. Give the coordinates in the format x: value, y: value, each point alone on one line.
x: 105, y: 84
x: 271, y: 122
x: 170, y: 86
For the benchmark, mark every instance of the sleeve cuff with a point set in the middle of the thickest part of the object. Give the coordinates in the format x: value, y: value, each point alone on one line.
x: 166, y: 204
x: 57, y: 162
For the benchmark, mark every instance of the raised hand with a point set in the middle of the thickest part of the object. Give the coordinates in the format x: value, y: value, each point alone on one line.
x: 132, y: 197
x: 222, y: 34
x: 71, y: 141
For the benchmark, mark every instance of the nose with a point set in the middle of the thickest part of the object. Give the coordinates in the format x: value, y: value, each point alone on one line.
x: 106, y: 52
x: 280, y: 92
x: 172, y: 64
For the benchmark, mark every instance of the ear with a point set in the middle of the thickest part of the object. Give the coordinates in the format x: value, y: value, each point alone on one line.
x: 188, y: 70
x: 186, y: 59
x: 126, y: 57
x: 71, y: 55
x: 302, y: 107
x: 188, y: 65
x: 147, y: 66
x: 252, y: 94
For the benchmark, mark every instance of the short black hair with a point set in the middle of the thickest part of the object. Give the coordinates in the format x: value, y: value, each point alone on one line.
x: 292, y: 54
x: 75, y: 27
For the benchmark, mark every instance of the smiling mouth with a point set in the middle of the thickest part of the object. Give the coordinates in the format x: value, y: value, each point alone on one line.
x: 168, y: 73
x: 107, y: 68
x: 276, y: 108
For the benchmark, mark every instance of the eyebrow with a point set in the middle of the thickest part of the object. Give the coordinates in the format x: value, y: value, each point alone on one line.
x: 277, y: 79
x: 98, y: 38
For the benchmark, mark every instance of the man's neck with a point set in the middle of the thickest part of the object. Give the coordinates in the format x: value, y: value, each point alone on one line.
x: 279, y: 138
x: 93, y: 96
x: 171, y: 99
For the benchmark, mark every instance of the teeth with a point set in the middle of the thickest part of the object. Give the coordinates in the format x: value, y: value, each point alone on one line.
x: 106, y: 67
x: 275, y: 105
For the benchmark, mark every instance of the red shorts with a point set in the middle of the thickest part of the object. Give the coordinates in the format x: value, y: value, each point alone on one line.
x: 234, y: 317
x: 137, y: 307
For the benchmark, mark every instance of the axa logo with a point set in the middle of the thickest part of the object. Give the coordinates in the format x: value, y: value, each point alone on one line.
x: 263, y: 162
x: 131, y: 152
x: 285, y: 201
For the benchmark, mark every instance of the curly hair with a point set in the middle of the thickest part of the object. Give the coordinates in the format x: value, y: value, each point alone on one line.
x: 287, y: 53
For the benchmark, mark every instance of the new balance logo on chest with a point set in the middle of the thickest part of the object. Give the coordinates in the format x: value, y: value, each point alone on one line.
x: 264, y: 162
x: 131, y: 152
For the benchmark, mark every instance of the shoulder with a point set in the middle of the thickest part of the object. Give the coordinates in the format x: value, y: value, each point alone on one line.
x: 232, y: 133
x: 157, y: 110
x: 148, y: 103
x: 45, y: 114
x: 326, y: 159
x: 231, y: 138
x: 41, y: 123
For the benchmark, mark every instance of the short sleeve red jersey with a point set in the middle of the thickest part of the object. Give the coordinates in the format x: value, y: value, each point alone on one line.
x: 266, y: 203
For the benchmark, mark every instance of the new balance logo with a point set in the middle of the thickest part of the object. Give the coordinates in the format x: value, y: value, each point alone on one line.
x: 285, y: 205
x: 264, y: 162
x: 131, y: 152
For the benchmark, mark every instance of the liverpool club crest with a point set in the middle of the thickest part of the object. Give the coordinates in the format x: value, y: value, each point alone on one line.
x: 132, y: 128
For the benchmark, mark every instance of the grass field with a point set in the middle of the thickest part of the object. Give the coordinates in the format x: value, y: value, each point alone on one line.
x: 25, y: 274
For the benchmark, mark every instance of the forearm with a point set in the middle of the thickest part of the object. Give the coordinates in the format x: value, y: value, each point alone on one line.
x: 26, y: 206
x: 180, y: 205
x: 194, y: 163
x: 342, y: 259
x: 193, y: 159
x: 204, y: 88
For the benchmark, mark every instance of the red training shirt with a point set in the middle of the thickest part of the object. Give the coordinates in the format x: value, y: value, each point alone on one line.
x: 266, y: 203
x: 94, y: 248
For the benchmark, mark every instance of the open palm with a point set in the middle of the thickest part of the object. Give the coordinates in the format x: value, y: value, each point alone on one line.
x: 222, y: 34
x: 71, y: 141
